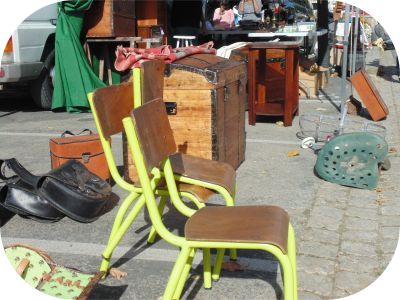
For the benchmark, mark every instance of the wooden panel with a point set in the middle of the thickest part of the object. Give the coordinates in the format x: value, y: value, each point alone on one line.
x: 369, y: 95
x: 112, y: 104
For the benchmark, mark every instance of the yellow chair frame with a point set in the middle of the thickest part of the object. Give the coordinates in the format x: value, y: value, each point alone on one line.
x: 188, y: 247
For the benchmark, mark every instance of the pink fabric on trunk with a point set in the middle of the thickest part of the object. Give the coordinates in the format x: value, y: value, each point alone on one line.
x: 127, y: 58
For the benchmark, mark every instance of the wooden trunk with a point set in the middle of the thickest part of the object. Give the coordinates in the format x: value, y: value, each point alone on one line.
x: 205, y: 96
x: 210, y: 94
x: 111, y: 18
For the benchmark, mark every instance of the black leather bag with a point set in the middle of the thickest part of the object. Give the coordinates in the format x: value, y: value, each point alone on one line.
x: 70, y: 190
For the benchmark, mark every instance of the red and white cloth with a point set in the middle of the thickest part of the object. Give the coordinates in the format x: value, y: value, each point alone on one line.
x: 127, y: 58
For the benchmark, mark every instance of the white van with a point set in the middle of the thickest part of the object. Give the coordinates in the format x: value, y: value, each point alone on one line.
x: 29, y: 56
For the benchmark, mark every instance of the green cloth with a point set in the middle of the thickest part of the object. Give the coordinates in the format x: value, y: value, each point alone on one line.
x: 74, y: 78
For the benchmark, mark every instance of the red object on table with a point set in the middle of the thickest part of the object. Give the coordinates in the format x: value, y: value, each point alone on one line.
x: 273, y: 80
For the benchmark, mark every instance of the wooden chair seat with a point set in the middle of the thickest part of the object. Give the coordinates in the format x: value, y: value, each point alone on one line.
x: 240, y: 224
x: 210, y: 171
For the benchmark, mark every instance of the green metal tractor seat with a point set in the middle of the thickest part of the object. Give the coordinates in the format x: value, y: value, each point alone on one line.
x: 352, y: 159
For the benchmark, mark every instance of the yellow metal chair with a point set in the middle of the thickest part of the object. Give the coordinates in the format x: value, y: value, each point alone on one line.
x: 240, y: 227
x: 109, y: 106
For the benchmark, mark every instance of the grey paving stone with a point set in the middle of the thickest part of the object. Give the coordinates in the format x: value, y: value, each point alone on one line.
x: 325, y: 217
x: 318, y: 249
x: 302, y: 295
x: 368, y: 202
x: 362, y: 264
x: 390, y: 221
x: 339, y: 293
x: 360, y: 236
x: 360, y: 224
x: 321, y: 235
x: 390, y: 210
x: 388, y: 246
x: 360, y: 249
x: 316, y: 284
x: 362, y: 213
x: 390, y: 232
x: 315, y: 265
x: 352, y: 282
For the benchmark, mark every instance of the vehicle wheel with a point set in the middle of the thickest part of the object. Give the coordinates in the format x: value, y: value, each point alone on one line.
x: 41, y: 89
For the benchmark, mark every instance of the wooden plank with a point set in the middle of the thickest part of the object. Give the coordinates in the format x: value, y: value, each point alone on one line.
x: 369, y: 95
x: 186, y: 80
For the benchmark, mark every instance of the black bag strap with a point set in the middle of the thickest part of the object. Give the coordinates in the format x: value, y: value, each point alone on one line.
x: 21, y: 172
x: 67, y: 132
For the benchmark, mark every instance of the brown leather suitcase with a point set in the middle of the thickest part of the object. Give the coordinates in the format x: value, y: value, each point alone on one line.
x: 85, y: 148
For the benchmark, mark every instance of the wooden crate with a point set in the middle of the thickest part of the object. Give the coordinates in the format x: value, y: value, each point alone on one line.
x: 111, y: 18
x: 314, y: 81
x: 208, y: 93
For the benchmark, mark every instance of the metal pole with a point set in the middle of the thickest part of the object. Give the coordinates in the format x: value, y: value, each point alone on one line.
x: 355, y: 41
x: 343, y: 106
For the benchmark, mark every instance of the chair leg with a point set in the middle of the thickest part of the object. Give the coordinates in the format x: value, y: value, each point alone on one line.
x: 176, y: 273
x: 117, y: 223
x: 117, y: 236
x: 292, y: 258
x: 161, y: 206
x: 207, y: 267
x: 288, y: 278
x: 218, y: 264
x: 184, y: 275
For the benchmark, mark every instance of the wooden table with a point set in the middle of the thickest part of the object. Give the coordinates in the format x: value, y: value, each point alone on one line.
x: 273, y: 80
x: 104, y: 59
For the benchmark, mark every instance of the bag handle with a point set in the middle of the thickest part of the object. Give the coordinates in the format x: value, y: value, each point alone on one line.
x: 23, y: 173
x: 3, y: 172
x: 67, y: 132
x: 22, y: 266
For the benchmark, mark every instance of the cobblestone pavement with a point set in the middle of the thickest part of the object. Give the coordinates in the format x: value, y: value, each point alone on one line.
x: 345, y: 237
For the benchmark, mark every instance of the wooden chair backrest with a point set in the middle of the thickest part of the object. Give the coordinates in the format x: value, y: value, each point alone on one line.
x: 152, y: 80
x: 112, y: 104
x: 154, y: 133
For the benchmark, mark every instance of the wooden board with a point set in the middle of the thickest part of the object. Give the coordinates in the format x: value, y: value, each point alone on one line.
x: 111, y: 18
x: 369, y: 95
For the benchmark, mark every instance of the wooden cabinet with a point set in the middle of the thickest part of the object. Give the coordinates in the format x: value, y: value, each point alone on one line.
x: 273, y: 74
x: 111, y: 18
x: 150, y: 16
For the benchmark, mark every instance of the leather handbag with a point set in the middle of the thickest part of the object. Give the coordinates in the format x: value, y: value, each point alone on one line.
x: 20, y: 198
x: 70, y: 189
x: 84, y: 147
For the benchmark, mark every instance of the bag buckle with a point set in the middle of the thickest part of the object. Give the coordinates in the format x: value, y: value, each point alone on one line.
x: 85, y: 157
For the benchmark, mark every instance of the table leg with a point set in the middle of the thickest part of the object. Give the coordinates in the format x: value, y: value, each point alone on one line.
x: 252, y: 86
x: 289, y: 87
